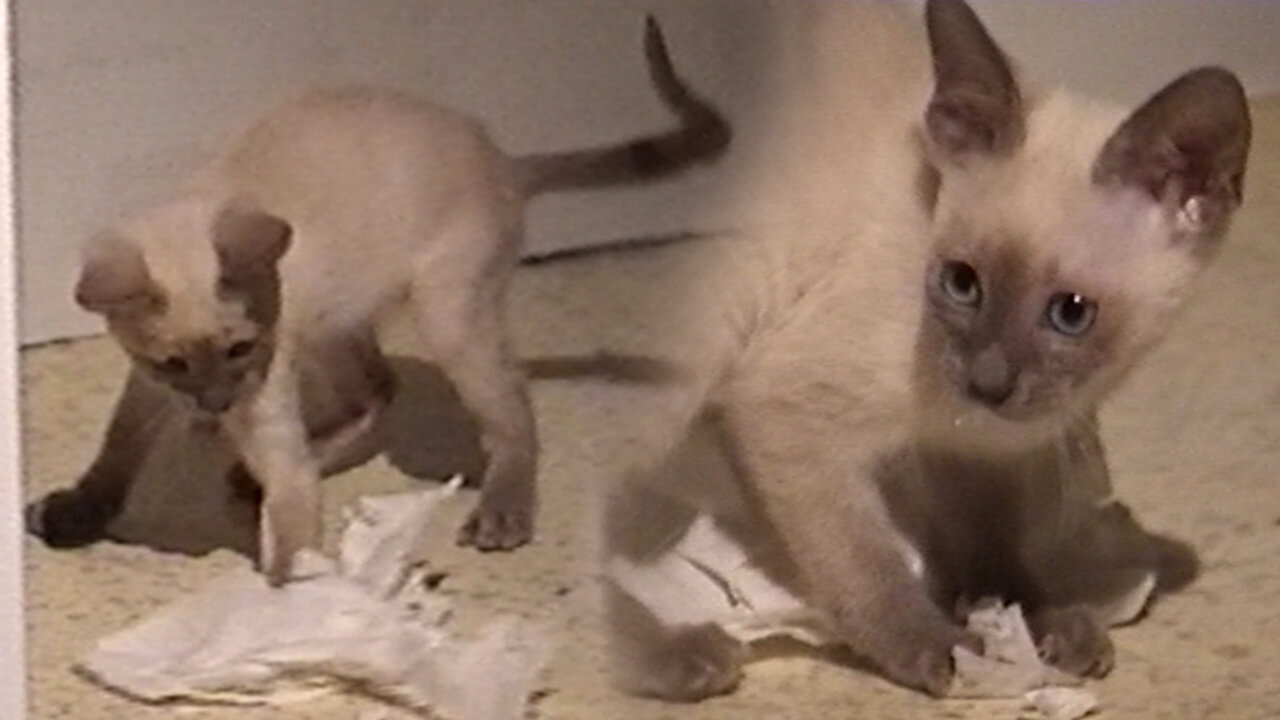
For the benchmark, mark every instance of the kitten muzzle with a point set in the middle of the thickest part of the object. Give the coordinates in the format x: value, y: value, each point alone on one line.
x: 992, y: 379
x: 215, y: 401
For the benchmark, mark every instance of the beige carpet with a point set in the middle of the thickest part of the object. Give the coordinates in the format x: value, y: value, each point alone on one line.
x: 1194, y: 442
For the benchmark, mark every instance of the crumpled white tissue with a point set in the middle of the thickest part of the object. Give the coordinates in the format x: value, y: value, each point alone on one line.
x: 707, y: 578
x: 1010, y: 666
x: 363, y: 622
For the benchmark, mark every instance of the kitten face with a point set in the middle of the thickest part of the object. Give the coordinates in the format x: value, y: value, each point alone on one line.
x: 197, y: 310
x: 1064, y: 237
x: 1041, y: 294
x: 214, y: 366
x: 1015, y: 339
x: 1012, y: 336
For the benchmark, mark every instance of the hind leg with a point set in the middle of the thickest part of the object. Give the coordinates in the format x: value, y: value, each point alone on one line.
x: 352, y: 385
x: 79, y: 515
x: 461, y: 321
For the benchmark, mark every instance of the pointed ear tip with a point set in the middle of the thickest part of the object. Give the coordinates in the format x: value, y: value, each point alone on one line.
x: 939, y: 9
x: 654, y: 41
x: 1219, y: 74
x: 1217, y: 80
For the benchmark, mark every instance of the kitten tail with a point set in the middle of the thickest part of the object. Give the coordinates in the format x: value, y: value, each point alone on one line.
x: 703, y: 136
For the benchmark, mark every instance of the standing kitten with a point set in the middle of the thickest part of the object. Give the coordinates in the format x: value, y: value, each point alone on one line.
x: 286, y: 251
x: 896, y: 377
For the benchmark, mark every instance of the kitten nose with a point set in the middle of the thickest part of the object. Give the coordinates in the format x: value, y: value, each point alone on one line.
x: 991, y: 379
x: 214, y: 401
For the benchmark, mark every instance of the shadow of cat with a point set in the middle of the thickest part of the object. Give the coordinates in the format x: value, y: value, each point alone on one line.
x: 185, y: 502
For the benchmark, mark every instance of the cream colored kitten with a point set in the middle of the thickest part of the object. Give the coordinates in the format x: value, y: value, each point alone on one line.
x: 268, y: 271
x: 896, y: 373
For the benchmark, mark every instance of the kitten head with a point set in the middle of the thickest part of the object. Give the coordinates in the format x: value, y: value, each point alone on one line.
x: 191, y: 291
x: 1064, y: 235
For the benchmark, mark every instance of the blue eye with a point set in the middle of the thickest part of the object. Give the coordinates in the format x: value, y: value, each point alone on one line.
x: 1071, y: 314
x: 960, y: 283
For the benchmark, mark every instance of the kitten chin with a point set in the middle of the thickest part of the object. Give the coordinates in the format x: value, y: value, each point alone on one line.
x: 959, y: 424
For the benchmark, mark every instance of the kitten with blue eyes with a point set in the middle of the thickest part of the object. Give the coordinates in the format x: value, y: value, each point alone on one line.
x: 250, y: 300
x: 894, y: 378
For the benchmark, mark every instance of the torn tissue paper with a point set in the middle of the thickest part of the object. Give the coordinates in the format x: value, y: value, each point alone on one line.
x: 1010, y: 666
x: 365, y: 621
x: 707, y: 578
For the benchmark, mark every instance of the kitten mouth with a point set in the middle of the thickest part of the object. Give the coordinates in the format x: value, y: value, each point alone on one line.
x: 976, y: 413
x: 205, y: 413
x: 205, y: 422
x: 214, y: 403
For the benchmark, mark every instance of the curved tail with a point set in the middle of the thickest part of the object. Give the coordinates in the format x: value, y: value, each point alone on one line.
x: 703, y: 136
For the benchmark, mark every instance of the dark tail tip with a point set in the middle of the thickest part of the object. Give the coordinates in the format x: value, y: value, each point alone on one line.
x: 661, y: 69
x: 707, y: 132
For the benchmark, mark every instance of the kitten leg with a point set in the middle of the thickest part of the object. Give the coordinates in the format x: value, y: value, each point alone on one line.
x: 679, y: 664
x: 463, y: 328
x: 819, y: 490
x: 1090, y: 561
x: 1100, y: 572
x: 359, y: 386
x: 1073, y: 639
x: 271, y: 438
x: 650, y: 656
x: 346, y: 388
x: 80, y: 515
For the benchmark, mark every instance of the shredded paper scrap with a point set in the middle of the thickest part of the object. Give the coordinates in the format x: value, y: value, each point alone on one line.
x: 707, y: 577
x: 362, y: 622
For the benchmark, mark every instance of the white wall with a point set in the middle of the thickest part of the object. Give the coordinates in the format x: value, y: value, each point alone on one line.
x: 117, y: 96
x: 1126, y: 50
x: 12, y: 666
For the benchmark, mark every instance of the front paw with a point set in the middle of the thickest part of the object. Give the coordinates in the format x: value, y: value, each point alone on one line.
x: 288, y: 525
x: 682, y: 665
x: 502, y: 521
x: 1073, y: 640
x: 71, y: 518
x: 923, y: 661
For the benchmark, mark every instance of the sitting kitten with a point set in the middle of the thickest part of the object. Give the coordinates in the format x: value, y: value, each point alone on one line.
x: 287, y: 250
x: 895, y: 378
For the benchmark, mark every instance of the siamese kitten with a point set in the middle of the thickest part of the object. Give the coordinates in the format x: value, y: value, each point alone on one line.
x: 268, y: 271
x: 896, y: 375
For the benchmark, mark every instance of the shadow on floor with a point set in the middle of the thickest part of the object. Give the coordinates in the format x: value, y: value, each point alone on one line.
x: 183, y: 501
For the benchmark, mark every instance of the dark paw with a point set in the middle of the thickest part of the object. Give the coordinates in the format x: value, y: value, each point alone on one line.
x: 926, y: 664
x: 70, y: 519
x: 498, y: 524
x: 1177, y: 564
x: 692, y: 664
x: 1074, y: 641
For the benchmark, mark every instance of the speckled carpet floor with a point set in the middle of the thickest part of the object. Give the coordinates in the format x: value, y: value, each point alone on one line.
x: 1194, y: 445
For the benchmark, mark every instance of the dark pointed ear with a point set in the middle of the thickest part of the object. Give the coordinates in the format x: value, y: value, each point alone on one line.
x: 1187, y: 147
x: 114, y: 278
x: 247, y: 240
x: 976, y: 107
